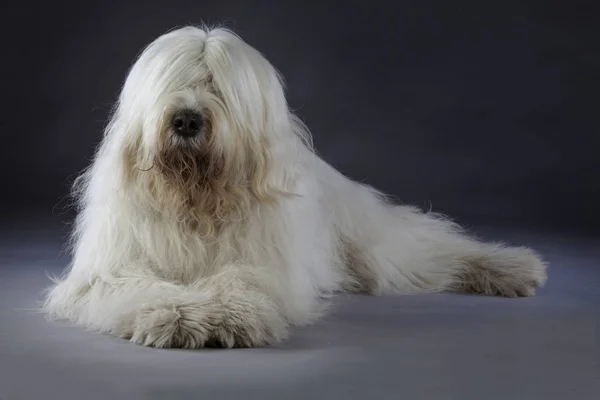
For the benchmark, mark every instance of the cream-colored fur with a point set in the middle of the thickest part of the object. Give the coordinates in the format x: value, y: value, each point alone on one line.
x: 232, y: 237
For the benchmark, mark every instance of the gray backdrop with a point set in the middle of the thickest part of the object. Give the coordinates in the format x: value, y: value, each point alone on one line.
x: 485, y: 110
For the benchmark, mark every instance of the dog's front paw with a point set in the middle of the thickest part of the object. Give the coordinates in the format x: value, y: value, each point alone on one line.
x: 193, y: 326
x: 184, y: 326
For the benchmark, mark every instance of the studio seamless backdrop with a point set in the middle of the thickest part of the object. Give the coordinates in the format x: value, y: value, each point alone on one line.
x: 485, y: 112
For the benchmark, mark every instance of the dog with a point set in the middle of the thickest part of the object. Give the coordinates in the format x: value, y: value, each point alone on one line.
x: 207, y: 219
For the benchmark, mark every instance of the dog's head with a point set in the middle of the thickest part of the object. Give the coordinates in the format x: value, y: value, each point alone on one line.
x: 202, y: 118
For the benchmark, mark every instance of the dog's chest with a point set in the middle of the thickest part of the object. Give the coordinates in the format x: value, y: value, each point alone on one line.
x: 185, y: 255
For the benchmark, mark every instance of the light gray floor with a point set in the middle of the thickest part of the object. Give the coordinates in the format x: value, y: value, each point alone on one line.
x: 412, y: 347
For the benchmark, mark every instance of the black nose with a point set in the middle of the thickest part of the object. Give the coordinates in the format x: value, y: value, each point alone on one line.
x: 187, y: 123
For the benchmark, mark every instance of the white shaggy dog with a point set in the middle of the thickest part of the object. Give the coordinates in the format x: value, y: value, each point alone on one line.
x: 206, y: 218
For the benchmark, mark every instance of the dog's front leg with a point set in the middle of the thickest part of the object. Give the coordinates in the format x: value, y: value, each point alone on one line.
x: 229, y: 309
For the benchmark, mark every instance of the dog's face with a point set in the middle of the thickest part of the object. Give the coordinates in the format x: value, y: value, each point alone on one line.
x: 203, y: 112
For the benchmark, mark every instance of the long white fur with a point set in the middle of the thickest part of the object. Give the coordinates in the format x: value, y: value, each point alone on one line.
x: 174, y: 258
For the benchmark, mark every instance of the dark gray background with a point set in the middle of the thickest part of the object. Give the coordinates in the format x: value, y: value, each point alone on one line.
x: 485, y: 110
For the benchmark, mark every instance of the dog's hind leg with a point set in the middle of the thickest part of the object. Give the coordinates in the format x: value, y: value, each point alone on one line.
x: 399, y: 249
x: 407, y: 251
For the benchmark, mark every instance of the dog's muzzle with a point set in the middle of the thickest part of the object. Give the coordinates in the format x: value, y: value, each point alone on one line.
x: 187, y: 123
